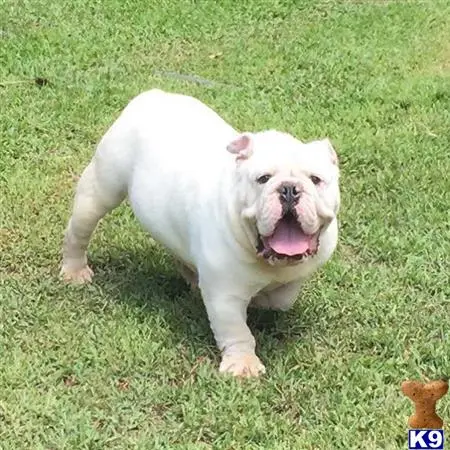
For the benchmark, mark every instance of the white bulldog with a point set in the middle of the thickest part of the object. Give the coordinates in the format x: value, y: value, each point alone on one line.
x: 248, y: 216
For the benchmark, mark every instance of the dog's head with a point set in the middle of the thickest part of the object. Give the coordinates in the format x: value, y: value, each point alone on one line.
x: 289, y: 192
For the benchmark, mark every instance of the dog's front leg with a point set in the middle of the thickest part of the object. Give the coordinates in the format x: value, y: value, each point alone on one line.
x: 228, y: 318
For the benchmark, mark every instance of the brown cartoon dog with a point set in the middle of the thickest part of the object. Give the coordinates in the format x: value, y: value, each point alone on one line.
x: 424, y: 397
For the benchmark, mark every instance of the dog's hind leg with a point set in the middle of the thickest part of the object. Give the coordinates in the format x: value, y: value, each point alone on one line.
x: 282, y: 297
x: 189, y: 275
x: 99, y: 191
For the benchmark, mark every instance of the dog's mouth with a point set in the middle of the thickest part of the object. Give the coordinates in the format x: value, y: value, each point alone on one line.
x: 288, y: 241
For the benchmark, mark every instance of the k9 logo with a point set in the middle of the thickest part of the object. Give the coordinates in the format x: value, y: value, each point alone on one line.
x: 428, y: 439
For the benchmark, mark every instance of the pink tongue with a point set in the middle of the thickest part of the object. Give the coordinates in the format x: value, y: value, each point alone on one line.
x: 289, y: 239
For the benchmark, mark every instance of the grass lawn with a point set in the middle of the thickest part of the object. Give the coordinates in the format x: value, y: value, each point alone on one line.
x: 129, y: 362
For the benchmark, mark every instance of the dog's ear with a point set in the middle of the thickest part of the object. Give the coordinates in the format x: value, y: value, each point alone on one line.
x: 333, y: 154
x: 242, y: 146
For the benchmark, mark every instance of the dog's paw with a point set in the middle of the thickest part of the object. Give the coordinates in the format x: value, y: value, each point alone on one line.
x: 242, y: 365
x: 77, y: 276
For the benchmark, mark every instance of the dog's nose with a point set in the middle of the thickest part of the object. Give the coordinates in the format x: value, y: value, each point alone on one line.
x: 289, y: 193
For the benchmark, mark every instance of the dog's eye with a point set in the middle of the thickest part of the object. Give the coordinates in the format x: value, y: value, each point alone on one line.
x: 263, y: 179
x: 315, y: 180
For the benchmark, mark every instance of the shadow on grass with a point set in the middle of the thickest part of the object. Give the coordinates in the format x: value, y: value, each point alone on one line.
x: 149, y: 281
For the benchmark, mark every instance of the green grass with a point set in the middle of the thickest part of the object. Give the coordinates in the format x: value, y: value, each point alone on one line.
x: 129, y: 361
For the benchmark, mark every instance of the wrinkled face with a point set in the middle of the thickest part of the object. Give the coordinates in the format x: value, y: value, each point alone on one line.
x: 289, y: 193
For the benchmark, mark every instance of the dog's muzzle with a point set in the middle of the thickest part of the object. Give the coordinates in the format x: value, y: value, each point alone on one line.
x: 289, y: 195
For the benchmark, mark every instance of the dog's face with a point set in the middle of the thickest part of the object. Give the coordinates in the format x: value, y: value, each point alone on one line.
x: 288, y: 191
